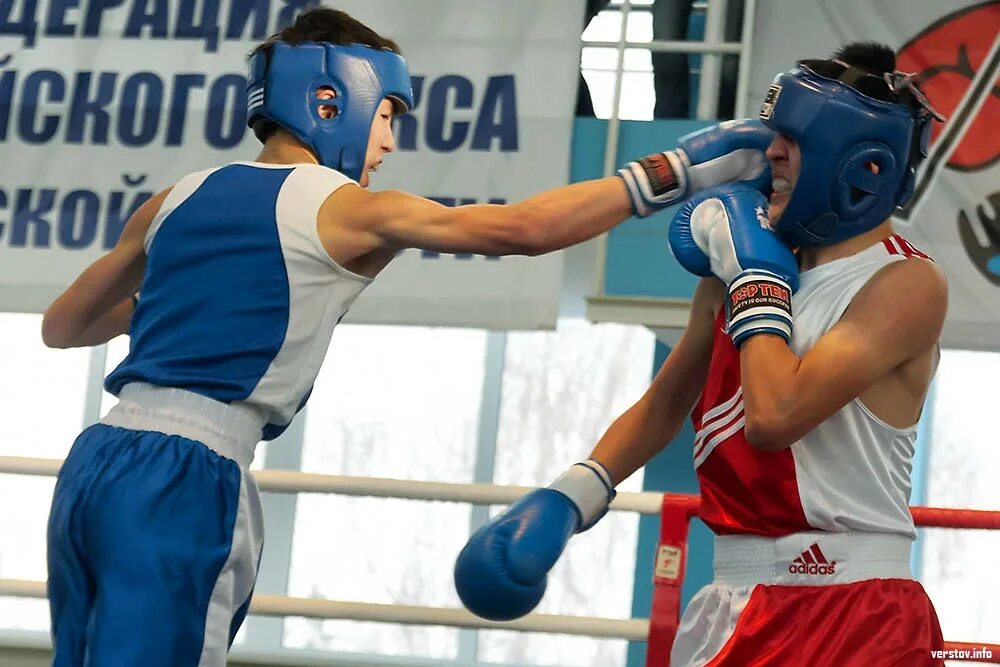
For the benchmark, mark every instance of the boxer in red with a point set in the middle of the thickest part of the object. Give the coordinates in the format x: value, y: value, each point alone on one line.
x: 812, y: 341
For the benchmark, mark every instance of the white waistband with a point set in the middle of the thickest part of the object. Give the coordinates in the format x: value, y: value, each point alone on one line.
x: 811, y: 559
x: 232, y: 431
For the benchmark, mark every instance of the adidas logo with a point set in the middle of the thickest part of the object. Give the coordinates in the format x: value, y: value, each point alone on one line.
x: 812, y: 561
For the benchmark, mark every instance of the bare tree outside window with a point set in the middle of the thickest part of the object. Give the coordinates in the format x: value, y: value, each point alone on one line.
x: 399, y: 402
x: 561, y: 390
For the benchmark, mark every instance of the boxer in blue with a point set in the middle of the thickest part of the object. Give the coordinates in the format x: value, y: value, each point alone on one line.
x: 242, y: 272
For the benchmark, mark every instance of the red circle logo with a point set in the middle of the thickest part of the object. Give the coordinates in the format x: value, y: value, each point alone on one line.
x: 946, y: 56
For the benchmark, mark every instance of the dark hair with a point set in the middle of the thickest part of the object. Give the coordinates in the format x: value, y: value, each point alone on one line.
x: 852, y: 62
x: 321, y: 24
x: 872, y: 57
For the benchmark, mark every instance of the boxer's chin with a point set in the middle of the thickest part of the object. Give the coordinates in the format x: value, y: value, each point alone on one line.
x: 778, y: 203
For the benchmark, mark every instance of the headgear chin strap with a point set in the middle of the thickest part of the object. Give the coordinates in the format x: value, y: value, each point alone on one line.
x: 840, y: 130
x: 282, y: 88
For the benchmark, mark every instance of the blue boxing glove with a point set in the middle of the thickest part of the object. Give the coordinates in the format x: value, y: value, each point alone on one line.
x: 732, y: 151
x: 501, y: 572
x: 726, y: 232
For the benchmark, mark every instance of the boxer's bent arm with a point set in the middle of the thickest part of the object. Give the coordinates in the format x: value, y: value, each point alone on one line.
x: 545, y: 222
x: 647, y: 427
x: 98, y: 305
x: 896, y: 317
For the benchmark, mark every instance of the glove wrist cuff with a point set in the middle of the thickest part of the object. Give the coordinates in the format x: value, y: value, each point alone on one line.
x: 588, y: 486
x: 655, y: 181
x: 759, y: 302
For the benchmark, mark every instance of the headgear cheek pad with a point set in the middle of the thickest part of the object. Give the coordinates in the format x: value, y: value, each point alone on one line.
x: 840, y: 132
x: 282, y: 87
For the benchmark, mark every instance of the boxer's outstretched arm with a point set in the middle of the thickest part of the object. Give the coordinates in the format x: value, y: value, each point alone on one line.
x: 545, y: 222
x: 98, y: 305
x: 896, y: 317
x: 647, y: 427
x: 729, y: 152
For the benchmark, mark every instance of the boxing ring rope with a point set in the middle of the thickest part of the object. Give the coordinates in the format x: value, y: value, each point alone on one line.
x: 680, y: 506
x: 285, y: 481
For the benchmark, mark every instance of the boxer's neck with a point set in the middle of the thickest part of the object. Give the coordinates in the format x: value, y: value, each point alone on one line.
x: 810, y: 258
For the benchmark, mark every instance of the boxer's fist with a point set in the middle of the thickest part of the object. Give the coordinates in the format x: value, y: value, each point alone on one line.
x: 732, y: 151
x: 501, y: 572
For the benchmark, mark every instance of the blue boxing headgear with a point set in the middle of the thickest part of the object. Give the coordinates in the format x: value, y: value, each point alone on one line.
x: 282, y: 88
x: 840, y: 130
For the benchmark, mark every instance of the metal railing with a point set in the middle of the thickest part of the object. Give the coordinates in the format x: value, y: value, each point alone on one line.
x: 712, y: 48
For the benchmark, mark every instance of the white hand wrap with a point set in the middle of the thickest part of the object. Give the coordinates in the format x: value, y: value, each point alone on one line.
x: 588, y: 486
x: 656, y: 181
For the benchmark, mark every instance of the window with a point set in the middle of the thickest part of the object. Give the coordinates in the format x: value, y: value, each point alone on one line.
x: 43, y: 391
x: 658, y: 83
x: 959, y: 566
x: 42, y: 397
x: 397, y: 402
x: 598, y: 65
x: 407, y: 402
x: 561, y: 390
x: 400, y: 402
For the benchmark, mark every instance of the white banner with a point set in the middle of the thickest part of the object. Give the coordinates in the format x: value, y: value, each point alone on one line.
x: 954, y: 47
x: 105, y: 102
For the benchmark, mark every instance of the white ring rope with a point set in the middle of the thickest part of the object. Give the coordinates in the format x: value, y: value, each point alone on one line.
x: 287, y: 481
x: 636, y: 629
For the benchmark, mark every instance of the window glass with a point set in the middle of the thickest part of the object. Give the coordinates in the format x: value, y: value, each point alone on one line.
x: 561, y: 390
x: 42, y: 397
x: 400, y: 402
x: 960, y: 569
